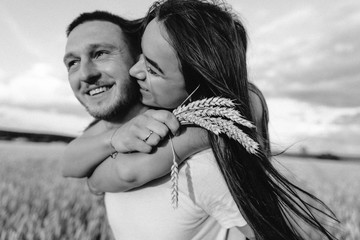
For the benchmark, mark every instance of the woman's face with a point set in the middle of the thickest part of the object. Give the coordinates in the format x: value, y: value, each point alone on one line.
x: 158, y: 70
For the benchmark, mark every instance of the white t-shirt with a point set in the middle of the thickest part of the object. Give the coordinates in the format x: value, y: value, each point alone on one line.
x: 206, y: 209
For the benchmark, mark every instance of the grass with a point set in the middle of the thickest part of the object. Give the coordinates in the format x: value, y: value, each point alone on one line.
x: 336, y: 183
x: 37, y: 203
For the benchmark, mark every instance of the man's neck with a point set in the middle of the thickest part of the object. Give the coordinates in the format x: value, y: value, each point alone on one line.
x: 133, y: 112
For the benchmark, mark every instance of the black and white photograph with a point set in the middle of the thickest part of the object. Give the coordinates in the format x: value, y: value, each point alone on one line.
x: 180, y: 120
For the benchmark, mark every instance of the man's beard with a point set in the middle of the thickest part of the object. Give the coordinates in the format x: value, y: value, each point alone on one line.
x: 120, y: 106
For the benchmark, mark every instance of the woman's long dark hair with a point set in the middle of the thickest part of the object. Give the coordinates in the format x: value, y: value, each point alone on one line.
x: 211, y: 46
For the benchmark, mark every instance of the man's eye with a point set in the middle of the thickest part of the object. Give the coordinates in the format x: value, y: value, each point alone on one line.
x: 71, y: 64
x: 99, y: 54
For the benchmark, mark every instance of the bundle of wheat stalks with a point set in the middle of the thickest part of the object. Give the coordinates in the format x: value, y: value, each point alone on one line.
x: 217, y: 115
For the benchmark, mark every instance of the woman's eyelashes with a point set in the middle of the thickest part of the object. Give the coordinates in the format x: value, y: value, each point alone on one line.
x: 151, y: 71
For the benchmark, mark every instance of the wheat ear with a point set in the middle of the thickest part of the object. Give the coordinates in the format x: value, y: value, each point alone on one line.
x: 228, y: 113
x: 205, y: 103
x: 174, y: 178
x: 217, y: 115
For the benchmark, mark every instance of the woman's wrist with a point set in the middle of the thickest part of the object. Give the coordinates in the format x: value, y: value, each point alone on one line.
x: 111, y: 144
x: 107, y: 141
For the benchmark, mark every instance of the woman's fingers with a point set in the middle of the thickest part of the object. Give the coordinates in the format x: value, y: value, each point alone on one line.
x: 145, y: 131
x: 154, y: 126
x: 153, y: 139
x: 165, y: 117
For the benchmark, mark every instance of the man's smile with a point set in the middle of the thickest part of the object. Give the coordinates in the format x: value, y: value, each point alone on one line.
x: 99, y: 90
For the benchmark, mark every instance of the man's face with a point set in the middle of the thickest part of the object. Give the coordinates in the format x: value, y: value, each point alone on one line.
x: 98, y: 60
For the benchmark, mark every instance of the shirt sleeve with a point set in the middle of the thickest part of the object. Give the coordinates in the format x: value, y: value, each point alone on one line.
x: 213, y: 195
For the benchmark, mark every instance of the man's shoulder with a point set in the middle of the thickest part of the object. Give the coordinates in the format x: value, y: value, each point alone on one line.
x: 97, y: 126
x: 92, y: 123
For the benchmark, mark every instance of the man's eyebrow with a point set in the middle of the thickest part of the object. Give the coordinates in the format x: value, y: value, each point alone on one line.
x: 154, y: 64
x: 100, y: 45
x: 92, y: 47
x: 67, y: 56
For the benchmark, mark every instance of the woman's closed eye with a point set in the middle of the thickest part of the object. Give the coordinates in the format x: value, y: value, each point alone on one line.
x: 151, y: 71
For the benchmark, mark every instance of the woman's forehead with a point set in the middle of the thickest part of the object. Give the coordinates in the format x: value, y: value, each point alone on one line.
x: 156, y: 46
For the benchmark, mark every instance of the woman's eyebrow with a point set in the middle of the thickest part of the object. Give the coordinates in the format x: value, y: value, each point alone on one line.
x: 154, y: 64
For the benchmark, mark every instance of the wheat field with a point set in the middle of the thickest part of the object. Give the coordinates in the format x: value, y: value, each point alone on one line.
x: 37, y: 203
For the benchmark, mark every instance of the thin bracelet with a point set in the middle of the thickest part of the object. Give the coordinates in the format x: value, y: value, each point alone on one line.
x: 111, y: 138
x: 113, y: 155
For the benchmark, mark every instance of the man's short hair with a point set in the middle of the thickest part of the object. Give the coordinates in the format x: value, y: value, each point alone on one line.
x: 130, y: 28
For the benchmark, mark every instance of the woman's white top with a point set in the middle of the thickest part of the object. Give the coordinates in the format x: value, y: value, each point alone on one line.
x: 206, y: 209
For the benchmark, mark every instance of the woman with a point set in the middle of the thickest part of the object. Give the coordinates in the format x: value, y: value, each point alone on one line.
x: 210, y: 47
x: 206, y: 47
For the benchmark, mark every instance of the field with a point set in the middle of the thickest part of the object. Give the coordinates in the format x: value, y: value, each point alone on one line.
x: 37, y: 203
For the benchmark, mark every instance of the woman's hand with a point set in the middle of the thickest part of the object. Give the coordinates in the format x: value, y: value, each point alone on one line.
x: 144, y: 131
x: 130, y: 170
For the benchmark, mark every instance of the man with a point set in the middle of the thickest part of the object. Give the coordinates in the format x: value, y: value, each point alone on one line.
x: 99, y: 53
x: 100, y: 50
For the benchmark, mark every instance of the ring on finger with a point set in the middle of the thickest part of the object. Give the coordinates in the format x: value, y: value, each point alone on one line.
x: 147, y: 137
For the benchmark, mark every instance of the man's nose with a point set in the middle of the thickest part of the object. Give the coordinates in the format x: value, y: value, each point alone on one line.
x: 138, y: 71
x: 88, y: 72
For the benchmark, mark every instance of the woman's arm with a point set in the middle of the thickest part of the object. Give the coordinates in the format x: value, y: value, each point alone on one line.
x: 131, y: 170
x: 237, y: 232
x: 84, y: 153
x: 101, y: 140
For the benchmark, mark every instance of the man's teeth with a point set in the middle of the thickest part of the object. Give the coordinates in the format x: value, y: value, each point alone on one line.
x: 98, y: 90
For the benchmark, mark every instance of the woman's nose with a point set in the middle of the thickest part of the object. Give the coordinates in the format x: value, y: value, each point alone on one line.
x: 138, y: 71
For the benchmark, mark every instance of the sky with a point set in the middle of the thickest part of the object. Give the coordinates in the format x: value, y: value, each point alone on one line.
x: 303, y: 55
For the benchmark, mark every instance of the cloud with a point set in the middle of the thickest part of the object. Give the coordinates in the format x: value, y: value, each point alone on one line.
x: 313, y: 126
x: 341, y: 144
x: 310, y: 56
x: 2, y: 74
x: 349, y: 119
x: 42, y: 121
x: 292, y: 18
x: 18, y: 32
x: 39, y: 89
x: 37, y: 101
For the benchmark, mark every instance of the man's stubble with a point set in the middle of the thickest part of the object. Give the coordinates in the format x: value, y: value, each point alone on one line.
x: 119, y: 106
